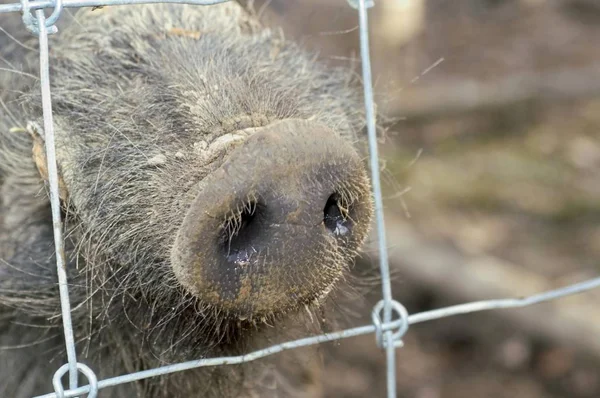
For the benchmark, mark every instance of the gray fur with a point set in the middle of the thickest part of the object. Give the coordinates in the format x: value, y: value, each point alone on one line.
x: 142, y: 98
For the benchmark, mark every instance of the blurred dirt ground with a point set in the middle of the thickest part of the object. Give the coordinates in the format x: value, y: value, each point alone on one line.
x: 491, y: 160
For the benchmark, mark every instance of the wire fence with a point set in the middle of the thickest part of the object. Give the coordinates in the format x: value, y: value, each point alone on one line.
x: 388, y: 329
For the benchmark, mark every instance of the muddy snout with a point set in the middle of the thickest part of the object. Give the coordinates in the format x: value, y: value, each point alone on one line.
x: 277, y: 224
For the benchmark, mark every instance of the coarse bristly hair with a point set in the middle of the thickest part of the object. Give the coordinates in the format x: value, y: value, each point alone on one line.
x: 142, y: 98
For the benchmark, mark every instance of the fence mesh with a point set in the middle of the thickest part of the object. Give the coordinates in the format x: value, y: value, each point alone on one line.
x: 390, y: 320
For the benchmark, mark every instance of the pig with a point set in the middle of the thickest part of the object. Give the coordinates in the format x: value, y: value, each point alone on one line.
x: 214, y: 197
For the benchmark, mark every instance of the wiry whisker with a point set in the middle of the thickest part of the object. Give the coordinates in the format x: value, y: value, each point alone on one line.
x: 30, y: 344
x: 19, y: 72
x: 17, y: 41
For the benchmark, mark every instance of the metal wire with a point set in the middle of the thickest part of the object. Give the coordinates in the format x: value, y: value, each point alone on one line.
x: 100, y: 3
x: 388, y: 338
x: 358, y: 331
x: 388, y: 331
x: 87, y: 372
x: 54, y: 198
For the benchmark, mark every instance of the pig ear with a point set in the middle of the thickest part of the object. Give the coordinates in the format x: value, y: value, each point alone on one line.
x: 39, y: 157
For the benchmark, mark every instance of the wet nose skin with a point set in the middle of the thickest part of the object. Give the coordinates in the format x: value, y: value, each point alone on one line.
x: 277, y: 223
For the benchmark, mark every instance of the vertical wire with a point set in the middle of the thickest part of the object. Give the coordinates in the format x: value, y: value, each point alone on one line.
x: 55, y: 200
x: 374, y: 160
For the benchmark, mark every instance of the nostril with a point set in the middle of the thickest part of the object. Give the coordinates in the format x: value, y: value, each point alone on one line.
x: 336, y: 216
x: 238, y: 231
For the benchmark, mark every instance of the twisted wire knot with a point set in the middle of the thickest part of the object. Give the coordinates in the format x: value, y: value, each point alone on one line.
x: 32, y: 23
x: 85, y: 370
x: 401, y: 323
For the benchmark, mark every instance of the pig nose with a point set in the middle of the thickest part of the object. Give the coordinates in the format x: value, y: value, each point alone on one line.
x: 276, y: 225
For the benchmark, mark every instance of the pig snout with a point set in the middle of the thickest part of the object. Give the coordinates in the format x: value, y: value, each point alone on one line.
x: 277, y: 224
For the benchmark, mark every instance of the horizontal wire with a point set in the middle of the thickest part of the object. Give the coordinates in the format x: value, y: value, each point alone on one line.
x: 17, y: 7
x: 358, y: 331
